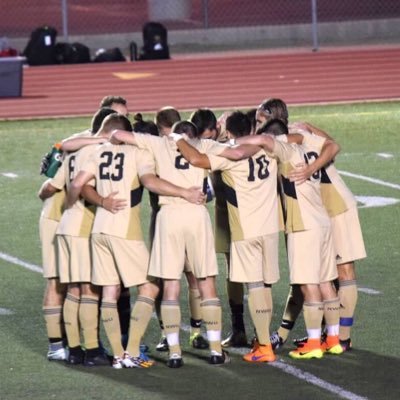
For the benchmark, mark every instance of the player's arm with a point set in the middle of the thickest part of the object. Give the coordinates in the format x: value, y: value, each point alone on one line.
x: 110, y: 203
x: 236, y: 153
x: 47, y: 190
x: 303, y: 171
x: 165, y: 188
x: 76, y: 186
x: 119, y: 136
x: 264, y: 141
x: 75, y: 143
x: 190, y: 153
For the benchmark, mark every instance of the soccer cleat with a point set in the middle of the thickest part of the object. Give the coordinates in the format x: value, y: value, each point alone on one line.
x: 144, y: 348
x: 219, y: 358
x: 117, y: 363
x: 260, y: 353
x: 299, y: 342
x: 136, y: 362
x: 95, y: 358
x: 235, y: 339
x: 76, y: 356
x: 175, y: 361
x: 57, y: 355
x: 163, y: 344
x: 332, y: 345
x: 198, y: 341
x: 276, y: 341
x: 310, y: 349
x: 346, y: 344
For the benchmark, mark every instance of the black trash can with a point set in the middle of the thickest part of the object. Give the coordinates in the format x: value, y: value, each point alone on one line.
x: 11, y: 76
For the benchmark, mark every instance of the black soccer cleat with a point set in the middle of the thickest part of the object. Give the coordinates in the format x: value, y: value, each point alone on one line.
x: 96, y: 358
x: 219, y: 358
x: 199, y: 342
x: 175, y: 361
x: 76, y: 356
x: 163, y: 344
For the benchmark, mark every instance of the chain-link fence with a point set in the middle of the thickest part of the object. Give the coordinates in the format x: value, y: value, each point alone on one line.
x: 103, y: 17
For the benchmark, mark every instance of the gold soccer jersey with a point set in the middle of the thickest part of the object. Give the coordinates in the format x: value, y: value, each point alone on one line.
x: 303, y: 203
x: 250, y: 188
x: 116, y: 169
x: 77, y: 220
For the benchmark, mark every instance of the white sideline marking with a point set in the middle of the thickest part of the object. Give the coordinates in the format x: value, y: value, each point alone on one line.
x: 385, y: 155
x: 17, y: 261
x: 375, y: 201
x: 9, y: 175
x: 5, y: 311
x: 372, y: 180
x: 368, y: 290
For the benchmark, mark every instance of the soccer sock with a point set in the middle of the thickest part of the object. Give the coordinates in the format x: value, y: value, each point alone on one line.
x: 109, y: 316
x: 194, y: 300
x: 52, y: 317
x: 171, y: 315
x: 140, y: 317
x: 294, y: 305
x: 71, y: 320
x: 157, y: 309
x: 260, y: 310
x: 331, y: 315
x: 89, y: 319
x: 212, y: 317
x: 348, y: 299
x: 313, y: 313
x: 124, y: 310
x: 235, y: 295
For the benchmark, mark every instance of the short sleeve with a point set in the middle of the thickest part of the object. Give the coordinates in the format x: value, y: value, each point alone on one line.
x: 145, y: 163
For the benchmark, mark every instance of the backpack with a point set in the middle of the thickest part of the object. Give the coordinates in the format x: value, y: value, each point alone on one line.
x: 155, y: 42
x: 75, y: 53
x: 40, y: 49
x: 114, y: 54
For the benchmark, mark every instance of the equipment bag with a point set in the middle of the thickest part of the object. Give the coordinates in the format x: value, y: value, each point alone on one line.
x: 40, y: 49
x: 155, y: 42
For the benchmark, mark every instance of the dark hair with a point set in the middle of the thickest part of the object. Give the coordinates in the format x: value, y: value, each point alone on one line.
x: 98, y: 118
x: 251, y: 114
x: 107, y: 101
x: 166, y: 117
x: 185, y: 127
x: 143, y: 126
x: 204, y: 119
x: 238, y: 123
x: 275, y: 127
x: 116, y: 121
x: 274, y: 109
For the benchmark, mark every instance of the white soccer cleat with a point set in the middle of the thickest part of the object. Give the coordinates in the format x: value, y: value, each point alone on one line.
x: 57, y: 355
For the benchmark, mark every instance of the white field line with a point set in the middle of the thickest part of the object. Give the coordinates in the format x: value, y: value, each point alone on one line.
x: 17, y: 261
x: 368, y: 290
x: 5, y: 311
x: 371, y: 180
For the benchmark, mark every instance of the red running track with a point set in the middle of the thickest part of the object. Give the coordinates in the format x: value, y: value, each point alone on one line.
x: 216, y: 81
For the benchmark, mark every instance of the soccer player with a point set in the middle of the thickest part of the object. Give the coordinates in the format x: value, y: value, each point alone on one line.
x: 347, y: 235
x: 182, y: 229
x: 165, y: 118
x: 119, y: 252
x: 251, y: 194
x: 310, y: 246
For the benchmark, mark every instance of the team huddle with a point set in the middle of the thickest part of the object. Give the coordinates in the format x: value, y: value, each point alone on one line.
x: 264, y: 176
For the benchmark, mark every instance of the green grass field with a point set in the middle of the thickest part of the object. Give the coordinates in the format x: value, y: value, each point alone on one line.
x: 369, y: 137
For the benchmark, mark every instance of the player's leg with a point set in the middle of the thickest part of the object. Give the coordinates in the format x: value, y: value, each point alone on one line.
x: 237, y: 337
x: 194, y: 299
x: 260, y: 307
x: 293, y: 307
x: 124, y: 313
x: 212, y: 317
x: 53, y: 300
x: 348, y: 296
x: 313, y: 309
x: 109, y: 317
x: 89, y: 322
x: 163, y: 343
x: 140, y: 318
x: 171, y: 316
x: 71, y: 323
